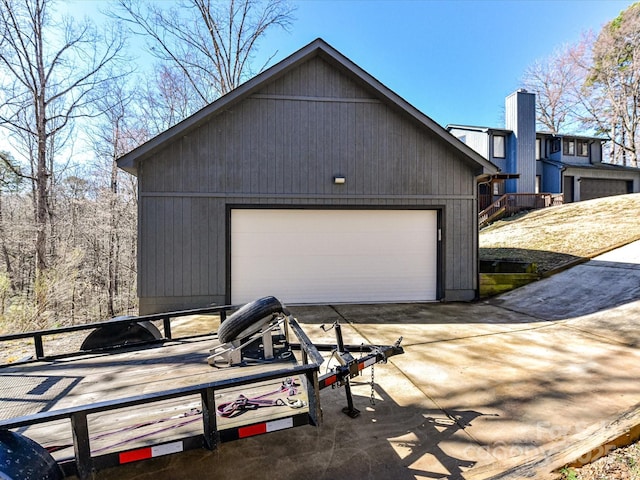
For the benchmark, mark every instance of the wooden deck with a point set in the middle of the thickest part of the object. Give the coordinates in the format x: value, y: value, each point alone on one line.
x: 511, y: 203
x: 74, y: 381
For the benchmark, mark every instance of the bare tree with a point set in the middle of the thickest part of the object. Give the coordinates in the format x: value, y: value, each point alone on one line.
x: 211, y: 43
x: 10, y: 180
x: 51, y: 72
x: 612, y: 89
x: 557, y: 81
x: 113, y: 137
x: 163, y: 100
x: 595, y: 84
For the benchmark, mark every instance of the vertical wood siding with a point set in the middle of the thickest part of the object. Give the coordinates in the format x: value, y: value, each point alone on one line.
x: 283, y: 145
x: 520, y: 116
x: 261, y: 148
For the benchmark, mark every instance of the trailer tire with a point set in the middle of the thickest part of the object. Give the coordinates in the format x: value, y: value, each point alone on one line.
x: 21, y: 458
x: 120, y: 335
x: 249, y: 319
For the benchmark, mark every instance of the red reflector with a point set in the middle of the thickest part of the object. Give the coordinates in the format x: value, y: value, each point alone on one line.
x: 251, y: 430
x: 135, y: 455
x: 330, y: 380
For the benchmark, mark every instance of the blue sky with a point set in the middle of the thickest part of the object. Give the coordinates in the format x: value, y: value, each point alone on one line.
x: 455, y: 60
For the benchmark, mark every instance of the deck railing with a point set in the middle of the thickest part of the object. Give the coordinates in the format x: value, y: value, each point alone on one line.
x: 511, y: 203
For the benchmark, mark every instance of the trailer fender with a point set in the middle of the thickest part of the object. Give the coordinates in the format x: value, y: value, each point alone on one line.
x: 249, y: 319
x: 23, y: 459
x: 121, y: 334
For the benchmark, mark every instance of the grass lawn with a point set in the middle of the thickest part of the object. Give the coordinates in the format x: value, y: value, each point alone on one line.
x: 556, y: 235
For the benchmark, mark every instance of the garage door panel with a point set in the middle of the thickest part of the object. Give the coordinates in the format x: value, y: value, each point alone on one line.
x: 591, y: 188
x: 346, y: 244
x: 324, y: 256
x: 336, y: 269
x: 342, y: 245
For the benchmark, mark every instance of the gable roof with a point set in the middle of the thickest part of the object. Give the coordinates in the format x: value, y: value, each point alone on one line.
x: 129, y: 161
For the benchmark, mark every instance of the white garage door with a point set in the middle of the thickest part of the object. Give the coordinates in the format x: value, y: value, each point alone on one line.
x: 333, y: 256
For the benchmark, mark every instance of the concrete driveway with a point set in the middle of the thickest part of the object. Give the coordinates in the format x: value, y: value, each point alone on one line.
x: 478, y: 384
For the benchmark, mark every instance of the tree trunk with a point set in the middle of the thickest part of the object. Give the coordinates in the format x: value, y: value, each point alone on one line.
x: 113, y: 247
x: 41, y: 176
x: 5, y: 253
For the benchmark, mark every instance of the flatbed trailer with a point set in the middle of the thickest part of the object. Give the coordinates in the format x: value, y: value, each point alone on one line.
x: 149, y: 393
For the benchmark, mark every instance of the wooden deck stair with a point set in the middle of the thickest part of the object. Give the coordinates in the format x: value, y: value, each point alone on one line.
x: 511, y: 203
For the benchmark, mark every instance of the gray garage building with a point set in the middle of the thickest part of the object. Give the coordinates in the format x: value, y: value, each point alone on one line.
x: 312, y: 182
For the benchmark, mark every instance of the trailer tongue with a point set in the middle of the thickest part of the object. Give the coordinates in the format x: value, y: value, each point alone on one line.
x: 262, y: 375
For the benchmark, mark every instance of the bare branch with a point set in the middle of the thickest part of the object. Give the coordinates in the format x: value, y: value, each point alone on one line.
x: 54, y: 71
x: 612, y: 89
x: 555, y: 80
x: 211, y: 43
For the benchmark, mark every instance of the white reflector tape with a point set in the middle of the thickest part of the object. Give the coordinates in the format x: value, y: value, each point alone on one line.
x: 280, y: 424
x: 166, y: 449
x: 370, y: 362
x: 150, y: 452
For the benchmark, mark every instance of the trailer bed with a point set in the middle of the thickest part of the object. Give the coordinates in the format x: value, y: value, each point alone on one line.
x: 42, y: 386
x: 123, y: 403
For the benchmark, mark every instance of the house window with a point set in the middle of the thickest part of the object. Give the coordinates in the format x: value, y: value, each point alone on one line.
x: 568, y: 147
x: 583, y: 148
x: 538, y: 148
x: 538, y: 183
x: 555, y: 145
x: 499, y: 146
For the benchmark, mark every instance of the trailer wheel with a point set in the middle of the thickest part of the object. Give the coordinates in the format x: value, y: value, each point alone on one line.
x: 23, y: 459
x: 121, y: 334
x: 249, y: 319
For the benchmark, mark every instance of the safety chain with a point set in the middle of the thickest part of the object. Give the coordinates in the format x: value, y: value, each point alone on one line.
x: 372, y: 399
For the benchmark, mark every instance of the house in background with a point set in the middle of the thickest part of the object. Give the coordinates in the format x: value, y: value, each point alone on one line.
x: 312, y: 182
x: 533, y: 164
x: 574, y: 166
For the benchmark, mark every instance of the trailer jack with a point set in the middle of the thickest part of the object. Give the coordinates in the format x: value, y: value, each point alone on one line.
x: 350, y: 367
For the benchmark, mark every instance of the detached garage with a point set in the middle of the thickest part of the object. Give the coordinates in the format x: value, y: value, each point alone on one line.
x: 312, y: 182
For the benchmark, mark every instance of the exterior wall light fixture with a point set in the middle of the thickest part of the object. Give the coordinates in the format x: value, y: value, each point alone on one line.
x: 339, y: 179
